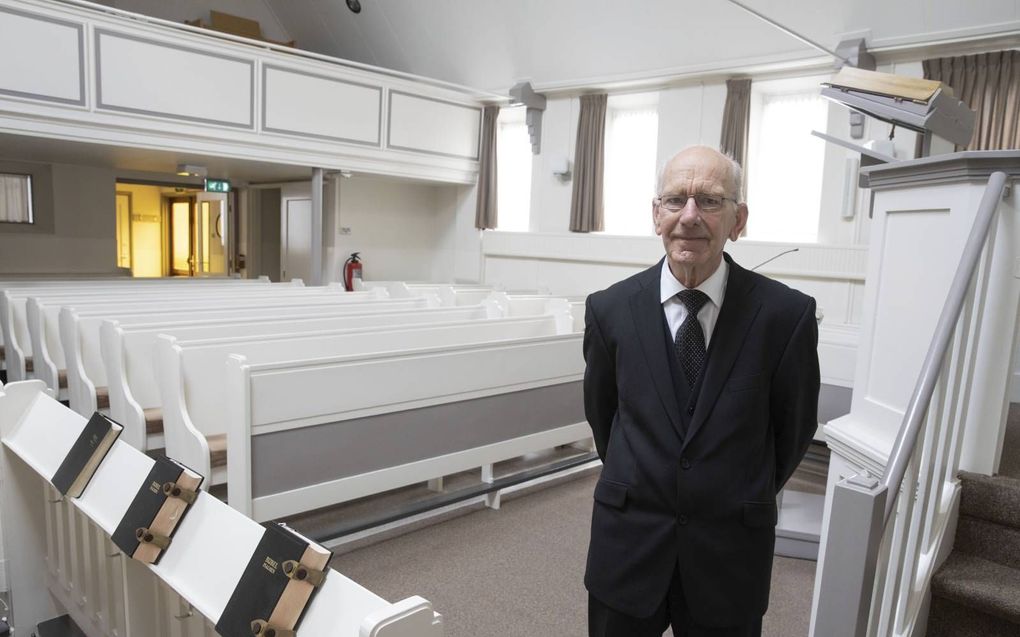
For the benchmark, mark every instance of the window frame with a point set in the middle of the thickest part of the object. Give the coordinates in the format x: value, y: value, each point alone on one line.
x: 516, y: 116
x: 761, y: 91
x: 31, y: 199
x: 42, y: 197
x: 632, y: 102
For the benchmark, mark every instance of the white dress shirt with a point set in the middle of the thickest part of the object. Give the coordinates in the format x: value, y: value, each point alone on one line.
x: 714, y: 287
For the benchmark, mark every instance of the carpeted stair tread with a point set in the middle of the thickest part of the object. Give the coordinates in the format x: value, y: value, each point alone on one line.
x: 949, y: 619
x: 993, y: 498
x: 988, y: 540
x: 981, y: 585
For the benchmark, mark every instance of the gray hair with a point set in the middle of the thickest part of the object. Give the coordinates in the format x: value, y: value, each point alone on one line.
x: 736, y: 172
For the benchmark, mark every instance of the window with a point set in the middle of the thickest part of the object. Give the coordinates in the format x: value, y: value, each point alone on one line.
x: 785, y: 161
x: 513, y: 170
x: 632, y: 132
x: 16, y: 198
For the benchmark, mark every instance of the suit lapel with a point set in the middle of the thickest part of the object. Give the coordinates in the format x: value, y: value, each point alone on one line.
x: 646, y: 307
x: 738, y: 312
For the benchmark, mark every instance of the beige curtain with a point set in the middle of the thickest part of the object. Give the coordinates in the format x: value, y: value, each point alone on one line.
x: 586, y: 214
x: 989, y: 83
x: 736, y: 116
x: 15, y: 199
x: 486, y: 211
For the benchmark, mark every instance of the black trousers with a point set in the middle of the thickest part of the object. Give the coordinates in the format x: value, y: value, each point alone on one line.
x: 603, y: 621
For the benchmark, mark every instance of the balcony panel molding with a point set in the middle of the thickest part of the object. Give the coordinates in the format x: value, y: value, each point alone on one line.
x: 239, y: 117
x: 414, y: 124
x: 57, y: 48
x: 286, y: 109
x: 215, y: 81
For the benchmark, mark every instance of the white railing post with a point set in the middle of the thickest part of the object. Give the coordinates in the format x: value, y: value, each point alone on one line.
x: 848, y: 571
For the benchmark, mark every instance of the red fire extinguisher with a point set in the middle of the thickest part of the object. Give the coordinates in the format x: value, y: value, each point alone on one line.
x: 352, y: 270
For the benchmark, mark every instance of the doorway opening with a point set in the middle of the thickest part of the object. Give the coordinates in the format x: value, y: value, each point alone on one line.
x: 166, y: 230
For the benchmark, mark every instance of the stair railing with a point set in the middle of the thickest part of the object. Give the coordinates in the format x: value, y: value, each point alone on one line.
x: 875, y: 575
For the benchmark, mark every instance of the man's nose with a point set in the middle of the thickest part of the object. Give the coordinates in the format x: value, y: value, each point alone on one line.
x: 690, y: 213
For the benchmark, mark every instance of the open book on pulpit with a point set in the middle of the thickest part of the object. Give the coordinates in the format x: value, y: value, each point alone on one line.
x: 275, y: 588
x: 157, y: 509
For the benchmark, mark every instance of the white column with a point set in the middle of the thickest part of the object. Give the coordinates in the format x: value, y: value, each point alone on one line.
x: 316, y: 252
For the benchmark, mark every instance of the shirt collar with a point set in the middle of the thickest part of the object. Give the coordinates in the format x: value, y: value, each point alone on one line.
x: 714, y: 286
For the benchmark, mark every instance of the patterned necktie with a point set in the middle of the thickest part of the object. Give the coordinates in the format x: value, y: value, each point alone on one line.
x: 690, y: 338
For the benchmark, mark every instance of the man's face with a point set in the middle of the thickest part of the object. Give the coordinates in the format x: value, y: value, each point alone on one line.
x: 693, y: 238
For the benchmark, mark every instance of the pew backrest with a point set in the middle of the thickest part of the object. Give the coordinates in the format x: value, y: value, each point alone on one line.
x: 14, y: 331
x: 41, y: 313
x: 415, y: 415
x: 191, y: 373
x: 79, y: 329
x: 127, y: 350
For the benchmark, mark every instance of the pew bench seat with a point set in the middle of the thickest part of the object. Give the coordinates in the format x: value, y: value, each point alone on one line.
x: 153, y: 420
x: 217, y: 450
x: 102, y: 397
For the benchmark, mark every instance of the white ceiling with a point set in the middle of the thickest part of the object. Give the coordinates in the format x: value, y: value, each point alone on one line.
x: 491, y: 44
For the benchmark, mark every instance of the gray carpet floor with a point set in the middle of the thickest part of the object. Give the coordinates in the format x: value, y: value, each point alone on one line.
x: 517, y: 572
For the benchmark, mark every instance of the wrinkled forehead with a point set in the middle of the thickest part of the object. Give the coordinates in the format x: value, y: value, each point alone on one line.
x: 698, y: 173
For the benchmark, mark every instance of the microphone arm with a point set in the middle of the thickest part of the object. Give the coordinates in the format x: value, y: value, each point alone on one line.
x: 774, y: 258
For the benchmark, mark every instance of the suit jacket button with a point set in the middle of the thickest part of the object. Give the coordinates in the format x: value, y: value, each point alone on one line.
x: 685, y: 463
x: 682, y: 520
x: 690, y: 410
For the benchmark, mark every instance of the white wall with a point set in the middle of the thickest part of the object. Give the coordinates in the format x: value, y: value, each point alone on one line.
x: 404, y: 230
x: 553, y: 259
x: 75, y: 229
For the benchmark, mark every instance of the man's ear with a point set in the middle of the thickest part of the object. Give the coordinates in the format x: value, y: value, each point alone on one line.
x: 738, y: 228
x: 655, y: 217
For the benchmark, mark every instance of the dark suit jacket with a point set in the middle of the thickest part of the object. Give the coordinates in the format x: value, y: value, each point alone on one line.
x: 695, y: 485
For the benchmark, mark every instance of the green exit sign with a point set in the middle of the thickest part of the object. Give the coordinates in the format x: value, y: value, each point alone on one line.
x: 217, y: 185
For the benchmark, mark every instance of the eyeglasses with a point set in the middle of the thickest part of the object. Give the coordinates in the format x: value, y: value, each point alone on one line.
x: 706, y: 203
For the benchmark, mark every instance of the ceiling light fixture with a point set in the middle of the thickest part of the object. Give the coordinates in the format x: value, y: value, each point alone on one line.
x: 191, y: 170
x: 354, y: 6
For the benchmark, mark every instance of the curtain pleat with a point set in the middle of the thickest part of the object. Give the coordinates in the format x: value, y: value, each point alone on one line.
x: 989, y: 83
x: 586, y: 211
x: 486, y: 212
x: 736, y: 117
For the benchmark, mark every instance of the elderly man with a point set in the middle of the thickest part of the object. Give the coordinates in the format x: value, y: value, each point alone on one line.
x: 701, y: 389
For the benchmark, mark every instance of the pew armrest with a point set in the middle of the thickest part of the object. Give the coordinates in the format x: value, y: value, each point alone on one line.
x: 184, y: 441
x: 123, y: 407
x: 13, y: 353
x: 411, y: 617
x: 43, y: 366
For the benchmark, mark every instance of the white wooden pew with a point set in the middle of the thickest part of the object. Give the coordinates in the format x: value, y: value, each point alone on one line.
x: 42, y: 311
x: 411, y: 416
x: 60, y: 558
x: 79, y: 331
x: 191, y: 375
x: 14, y: 330
x: 449, y: 294
x: 128, y: 353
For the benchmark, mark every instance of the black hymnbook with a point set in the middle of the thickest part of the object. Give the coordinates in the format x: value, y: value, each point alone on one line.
x: 276, y: 586
x: 88, y: 451
x: 156, y: 510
